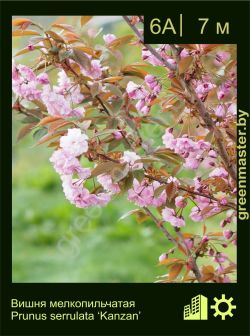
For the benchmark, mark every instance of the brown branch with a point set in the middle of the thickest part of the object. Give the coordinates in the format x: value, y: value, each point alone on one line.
x: 196, y: 102
x: 209, y: 123
x: 230, y: 205
x: 170, y: 66
x: 159, y: 224
x: 103, y: 106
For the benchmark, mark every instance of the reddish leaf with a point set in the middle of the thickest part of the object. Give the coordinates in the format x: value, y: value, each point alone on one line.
x: 20, y: 22
x: 121, y: 41
x: 215, y: 234
x: 182, y: 249
x: 207, y: 269
x: 184, y: 64
x: 171, y: 189
x: 90, y: 51
x: 170, y: 261
x: 64, y: 26
x: 48, y: 120
x: 25, y: 130
x: 174, y: 271
x: 49, y: 137
x: 85, y: 19
x: 55, y: 36
x: 24, y: 32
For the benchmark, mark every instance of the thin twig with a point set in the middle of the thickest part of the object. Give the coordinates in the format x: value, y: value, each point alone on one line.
x: 209, y: 123
x: 161, y: 227
x: 170, y: 66
x: 159, y: 224
x: 230, y: 205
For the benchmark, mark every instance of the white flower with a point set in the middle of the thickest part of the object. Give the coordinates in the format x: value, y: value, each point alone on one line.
x: 74, y: 142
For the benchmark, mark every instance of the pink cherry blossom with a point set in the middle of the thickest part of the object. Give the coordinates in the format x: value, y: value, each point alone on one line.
x: 65, y: 163
x: 136, y: 91
x: 220, y: 257
x: 153, y: 84
x: 219, y: 172
x: 227, y: 234
x: 184, y: 53
x: 24, y: 82
x: 56, y: 103
x: 170, y: 216
x: 106, y: 181
x: 131, y: 158
x: 75, y: 142
x: 195, y: 214
x: 223, y: 90
x: 168, y: 139
x: 221, y: 57
x: 189, y: 243
x: 220, y: 111
x: 108, y: 38
x: 147, y: 56
x: 95, y: 70
x: 162, y: 257
x: 117, y: 135
x: 68, y: 89
x: 142, y: 194
x: 79, y: 196
x: 43, y: 78
x: 180, y: 202
x: 203, y: 88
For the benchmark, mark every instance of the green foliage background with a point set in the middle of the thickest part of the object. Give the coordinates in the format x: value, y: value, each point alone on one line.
x: 53, y: 241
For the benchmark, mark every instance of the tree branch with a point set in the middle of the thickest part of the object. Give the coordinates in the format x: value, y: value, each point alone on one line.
x: 170, y: 66
x: 159, y: 224
x: 208, y: 122
x: 230, y: 205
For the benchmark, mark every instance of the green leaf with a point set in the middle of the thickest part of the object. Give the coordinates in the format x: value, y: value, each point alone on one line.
x: 113, y: 144
x: 114, y: 89
x: 156, y: 71
x: 155, y: 120
x: 159, y: 190
x: 104, y: 132
x: 119, y: 172
x: 107, y: 167
x: 64, y: 54
x: 116, y: 105
x: 30, y: 119
x: 129, y: 213
x: 131, y: 124
x: 168, y: 155
x: 38, y: 134
x: 138, y: 174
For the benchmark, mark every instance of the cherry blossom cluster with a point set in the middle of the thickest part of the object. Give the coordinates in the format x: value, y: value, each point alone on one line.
x: 194, y: 152
x: 142, y: 95
x: 111, y: 155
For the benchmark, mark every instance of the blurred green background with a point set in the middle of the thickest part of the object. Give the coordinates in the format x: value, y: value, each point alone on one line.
x: 55, y: 242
